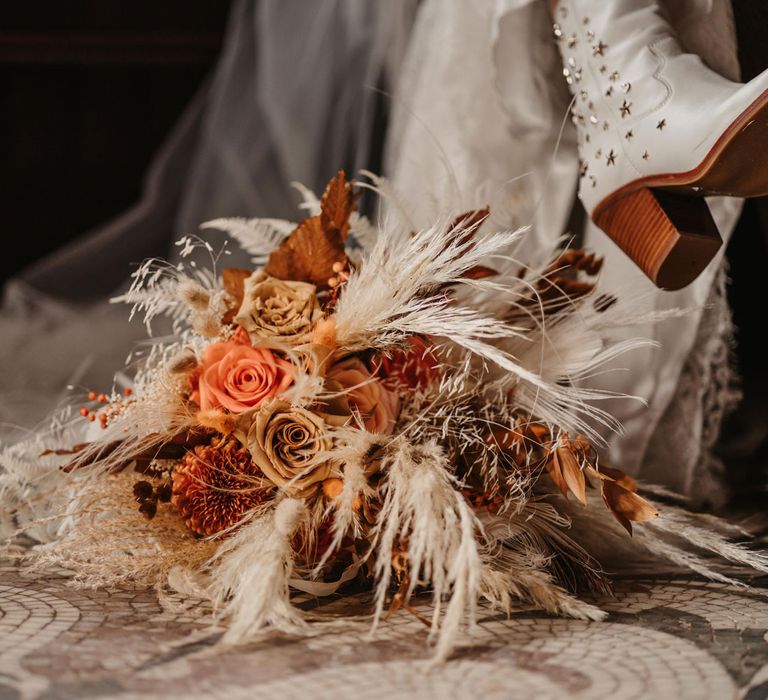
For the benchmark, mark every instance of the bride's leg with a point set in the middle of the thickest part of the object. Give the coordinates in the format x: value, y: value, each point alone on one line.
x: 658, y: 130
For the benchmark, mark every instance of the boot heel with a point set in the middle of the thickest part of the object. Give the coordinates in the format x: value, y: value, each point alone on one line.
x: 671, y: 237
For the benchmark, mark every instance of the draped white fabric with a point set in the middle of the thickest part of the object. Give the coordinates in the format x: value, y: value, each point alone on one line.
x: 292, y: 98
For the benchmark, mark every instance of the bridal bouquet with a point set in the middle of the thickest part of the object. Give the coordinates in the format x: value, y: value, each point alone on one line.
x: 366, y: 406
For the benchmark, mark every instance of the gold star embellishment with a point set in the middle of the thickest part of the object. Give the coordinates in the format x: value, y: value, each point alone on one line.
x: 625, y: 109
x: 645, y: 155
x: 606, y: 126
x: 590, y: 35
x: 599, y: 49
x: 613, y: 77
x: 629, y: 135
x: 611, y: 158
x: 609, y: 91
x: 660, y: 126
x: 603, y: 69
x: 572, y: 41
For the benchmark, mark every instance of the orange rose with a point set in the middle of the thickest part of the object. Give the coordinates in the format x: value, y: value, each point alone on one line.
x: 236, y: 376
x: 377, y: 406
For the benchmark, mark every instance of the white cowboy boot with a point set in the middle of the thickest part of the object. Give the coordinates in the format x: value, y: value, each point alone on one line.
x: 657, y: 131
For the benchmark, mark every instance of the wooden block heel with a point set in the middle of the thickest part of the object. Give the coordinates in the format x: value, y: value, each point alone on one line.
x: 670, y: 236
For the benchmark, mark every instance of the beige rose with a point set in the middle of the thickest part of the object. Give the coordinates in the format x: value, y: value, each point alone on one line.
x: 286, y: 442
x: 275, y: 309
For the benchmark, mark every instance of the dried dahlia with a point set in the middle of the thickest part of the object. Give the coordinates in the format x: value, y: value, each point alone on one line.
x: 214, y: 485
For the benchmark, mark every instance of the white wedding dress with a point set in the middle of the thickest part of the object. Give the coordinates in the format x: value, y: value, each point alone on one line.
x: 479, y: 117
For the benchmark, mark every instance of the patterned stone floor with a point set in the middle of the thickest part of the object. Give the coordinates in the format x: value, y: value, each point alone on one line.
x: 665, y: 638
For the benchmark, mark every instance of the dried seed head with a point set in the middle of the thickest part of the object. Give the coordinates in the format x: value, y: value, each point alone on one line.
x: 183, y: 362
x: 194, y: 295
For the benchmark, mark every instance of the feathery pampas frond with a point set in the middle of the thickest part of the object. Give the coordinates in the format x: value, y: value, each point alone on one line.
x: 257, y: 237
x: 250, y: 573
x: 421, y: 507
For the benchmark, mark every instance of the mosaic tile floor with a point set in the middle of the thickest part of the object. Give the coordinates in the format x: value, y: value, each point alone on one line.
x: 671, y: 638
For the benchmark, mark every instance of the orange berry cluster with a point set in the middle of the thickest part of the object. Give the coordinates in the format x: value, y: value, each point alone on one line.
x: 341, y: 275
x: 110, y: 410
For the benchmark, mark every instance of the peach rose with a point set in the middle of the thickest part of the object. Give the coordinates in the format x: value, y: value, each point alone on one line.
x: 377, y: 405
x: 238, y: 377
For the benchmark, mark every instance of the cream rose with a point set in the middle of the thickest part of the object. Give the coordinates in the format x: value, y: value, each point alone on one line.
x: 377, y: 406
x: 286, y: 443
x: 273, y: 309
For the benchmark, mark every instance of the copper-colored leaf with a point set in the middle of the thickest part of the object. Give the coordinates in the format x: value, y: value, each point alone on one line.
x: 538, y: 433
x: 233, y: 279
x: 68, y: 451
x: 622, y: 479
x: 626, y: 505
x: 338, y: 202
x: 572, y: 473
x: 310, y: 252
x: 615, y: 475
x: 479, y: 272
x: 469, y: 223
x: 166, y: 447
x: 505, y: 439
x: 554, y: 469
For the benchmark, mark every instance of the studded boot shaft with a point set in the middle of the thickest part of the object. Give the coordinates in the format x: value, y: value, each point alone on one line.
x: 651, y: 117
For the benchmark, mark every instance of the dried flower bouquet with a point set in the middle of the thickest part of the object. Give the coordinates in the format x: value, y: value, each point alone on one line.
x: 368, y: 405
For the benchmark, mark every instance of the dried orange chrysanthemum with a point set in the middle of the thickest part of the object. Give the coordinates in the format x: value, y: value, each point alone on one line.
x: 214, y: 485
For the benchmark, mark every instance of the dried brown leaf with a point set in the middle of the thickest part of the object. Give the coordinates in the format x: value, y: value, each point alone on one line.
x: 317, y: 243
x: 555, y: 471
x: 469, y: 223
x: 233, y: 280
x: 627, y: 506
x: 172, y: 446
x: 479, y: 272
x: 308, y: 254
x: 66, y: 451
x: 337, y: 204
x: 573, y: 476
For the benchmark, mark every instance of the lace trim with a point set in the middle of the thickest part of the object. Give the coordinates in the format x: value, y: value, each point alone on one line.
x: 707, y: 392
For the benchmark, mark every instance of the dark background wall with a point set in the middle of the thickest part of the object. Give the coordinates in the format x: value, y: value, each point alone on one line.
x: 88, y: 91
